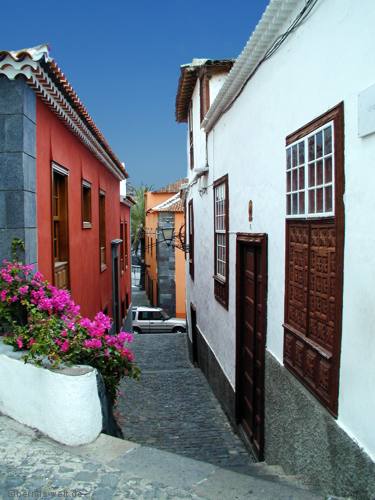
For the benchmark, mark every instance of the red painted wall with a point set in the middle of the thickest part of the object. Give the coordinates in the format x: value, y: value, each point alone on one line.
x: 90, y: 287
x: 126, y: 277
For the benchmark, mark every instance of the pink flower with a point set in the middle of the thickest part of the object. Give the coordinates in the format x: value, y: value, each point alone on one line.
x: 65, y: 346
x: 38, y: 276
x: 64, y: 333
x: 19, y: 342
x: 125, y: 337
x: 3, y: 295
x: 23, y: 290
x: 31, y: 342
x: 92, y: 344
x: 14, y: 298
x: 126, y: 353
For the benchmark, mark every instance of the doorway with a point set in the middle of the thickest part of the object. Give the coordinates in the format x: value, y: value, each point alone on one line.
x: 194, y: 335
x: 251, y: 337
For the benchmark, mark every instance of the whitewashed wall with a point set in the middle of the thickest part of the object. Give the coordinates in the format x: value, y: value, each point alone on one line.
x: 64, y: 405
x: 329, y: 59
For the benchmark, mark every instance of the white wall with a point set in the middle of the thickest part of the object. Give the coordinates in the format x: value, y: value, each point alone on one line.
x: 329, y: 59
x: 63, y: 405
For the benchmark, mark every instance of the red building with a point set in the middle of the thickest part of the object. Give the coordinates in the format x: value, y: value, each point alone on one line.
x: 61, y: 188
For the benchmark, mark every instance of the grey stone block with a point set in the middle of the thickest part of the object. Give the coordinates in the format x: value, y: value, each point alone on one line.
x: 29, y: 108
x: 29, y: 137
x: 6, y: 238
x: 31, y: 245
x: 29, y: 173
x: 14, y: 209
x: 11, y: 171
x: 305, y: 439
x: 17, y: 171
x: 16, y: 97
x: 29, y: 200
x: 11, y: 96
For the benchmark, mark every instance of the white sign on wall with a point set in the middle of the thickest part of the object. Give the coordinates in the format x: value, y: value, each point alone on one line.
x: 366, y: 112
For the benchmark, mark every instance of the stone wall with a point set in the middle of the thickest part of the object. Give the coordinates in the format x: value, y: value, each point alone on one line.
x: 17, y: 168
x: 305, y: 439
x: 166, y: 267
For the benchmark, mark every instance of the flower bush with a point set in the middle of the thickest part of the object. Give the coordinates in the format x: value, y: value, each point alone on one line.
x: 45, y: 321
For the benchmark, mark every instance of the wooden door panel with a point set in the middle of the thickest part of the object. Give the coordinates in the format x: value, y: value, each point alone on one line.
x: 251, y: 342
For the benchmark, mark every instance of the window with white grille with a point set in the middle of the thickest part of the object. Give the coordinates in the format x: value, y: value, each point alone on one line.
x: 310, y: 175
x: 220, y: 231
x: 221, y: 227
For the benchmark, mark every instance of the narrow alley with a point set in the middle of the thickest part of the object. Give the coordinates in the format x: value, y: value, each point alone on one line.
x: 173, y: 408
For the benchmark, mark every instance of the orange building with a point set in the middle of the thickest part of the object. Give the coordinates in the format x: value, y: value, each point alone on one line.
x: 165, y: 263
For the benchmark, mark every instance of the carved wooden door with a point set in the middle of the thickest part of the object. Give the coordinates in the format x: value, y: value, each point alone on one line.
x: 251, y: 342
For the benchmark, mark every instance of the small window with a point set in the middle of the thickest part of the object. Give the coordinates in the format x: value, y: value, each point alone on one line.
x: 191, y: 137
x: 86, y: 205
x: 156, y: 315
x: 102, y: 231
x: 221, y: 227
x: 204, y: 92
x: 122, y: 257
x: 144, y: 315
x: 310, y: 174
x: 126, y: 250
x: 133, y: 315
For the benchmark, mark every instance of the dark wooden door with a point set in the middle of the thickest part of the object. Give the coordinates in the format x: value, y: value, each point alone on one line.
x: 194, y: 339
x: 251, y: 331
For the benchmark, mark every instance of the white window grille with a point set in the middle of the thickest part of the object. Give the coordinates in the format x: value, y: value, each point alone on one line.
x: 310, y: 175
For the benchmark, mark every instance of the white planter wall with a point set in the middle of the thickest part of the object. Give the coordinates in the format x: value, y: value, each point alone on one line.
x: 62, y: 404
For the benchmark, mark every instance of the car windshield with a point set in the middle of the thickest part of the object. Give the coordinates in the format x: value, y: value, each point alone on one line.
x: 165, y: 315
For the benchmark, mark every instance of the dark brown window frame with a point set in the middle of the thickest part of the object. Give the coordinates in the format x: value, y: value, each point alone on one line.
x: 191, y: 238
x: 102, y: 231
x: 86, y: 204
x: 191, y: 136
x: 308, y: 360
x: 204, y: 95
x: 126, y: 250
x: 63, y: 173
x: 221, y: 287
x: 122, y: 252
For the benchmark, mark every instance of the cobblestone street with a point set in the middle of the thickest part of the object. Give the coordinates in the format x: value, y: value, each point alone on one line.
x: 172, y: 408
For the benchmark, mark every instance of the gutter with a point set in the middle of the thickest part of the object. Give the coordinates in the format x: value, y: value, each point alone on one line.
x: 262, y: 38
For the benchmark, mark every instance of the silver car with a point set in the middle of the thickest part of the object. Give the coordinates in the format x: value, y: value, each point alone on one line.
x: 156, y: 320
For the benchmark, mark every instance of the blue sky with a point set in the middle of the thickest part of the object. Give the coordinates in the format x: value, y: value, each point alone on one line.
x: 122, y: 58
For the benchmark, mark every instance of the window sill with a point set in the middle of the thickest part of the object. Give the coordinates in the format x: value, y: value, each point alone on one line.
x: 86, y: 225
x: 103, y: 267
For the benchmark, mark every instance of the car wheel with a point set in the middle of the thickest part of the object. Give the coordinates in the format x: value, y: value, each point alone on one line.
x: 178, y: 329
x: 137, y: 330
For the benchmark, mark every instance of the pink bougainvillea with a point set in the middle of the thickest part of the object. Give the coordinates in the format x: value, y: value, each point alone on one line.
x: 47, y: 321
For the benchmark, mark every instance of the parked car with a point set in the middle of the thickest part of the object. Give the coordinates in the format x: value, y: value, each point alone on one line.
x: 156, y: 320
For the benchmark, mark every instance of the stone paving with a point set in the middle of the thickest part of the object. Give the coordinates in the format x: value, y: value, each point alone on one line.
x: 173, y: 408
x: 34, y: 466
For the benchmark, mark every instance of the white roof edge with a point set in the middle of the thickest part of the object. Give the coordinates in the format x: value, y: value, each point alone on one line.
x: 264, y: 34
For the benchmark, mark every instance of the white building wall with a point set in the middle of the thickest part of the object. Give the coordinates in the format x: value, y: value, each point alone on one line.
x: 329, y: 59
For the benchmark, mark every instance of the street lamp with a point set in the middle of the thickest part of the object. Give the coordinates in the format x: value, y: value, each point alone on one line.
x: 168, y: 235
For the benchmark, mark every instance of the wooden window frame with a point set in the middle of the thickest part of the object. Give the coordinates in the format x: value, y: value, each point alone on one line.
x: 204, y: 95
x: 86, y: 200
x: 122, y: 253
x: 316, y: 363
x: 102, y: 231
x: 65, y: 258
x: 221, y: 283
x: 191, y: 136
x: 126, y: 250
x: 191, y: 238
